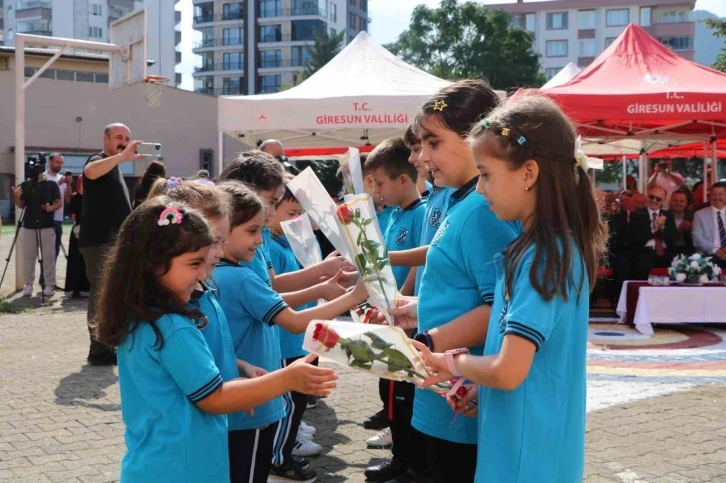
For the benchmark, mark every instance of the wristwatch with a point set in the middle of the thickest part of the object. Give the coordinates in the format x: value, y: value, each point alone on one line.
x: 449, y: 355
x: 425, y: 339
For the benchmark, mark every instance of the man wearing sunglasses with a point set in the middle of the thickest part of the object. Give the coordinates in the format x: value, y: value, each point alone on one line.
x: 653, y: 234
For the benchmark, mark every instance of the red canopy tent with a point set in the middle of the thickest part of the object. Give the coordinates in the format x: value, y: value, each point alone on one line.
x: 640, y: 88
x: 692, y: 150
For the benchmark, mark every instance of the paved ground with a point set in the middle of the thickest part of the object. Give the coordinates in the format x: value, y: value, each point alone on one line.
x: 655, y: 415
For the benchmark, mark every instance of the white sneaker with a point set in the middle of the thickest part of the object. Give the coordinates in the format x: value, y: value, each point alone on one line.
x: 304, y: 436
x: 28, y: 291
x: 48, y: 291
x: 306, y: 428
x: 382, y: 440
x: 306, y: 448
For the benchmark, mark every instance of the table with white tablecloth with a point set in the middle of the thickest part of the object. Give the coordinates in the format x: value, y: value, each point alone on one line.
x: 674, y: 304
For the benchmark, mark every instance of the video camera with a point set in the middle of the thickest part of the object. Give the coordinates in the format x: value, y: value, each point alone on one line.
x: 35, y: 165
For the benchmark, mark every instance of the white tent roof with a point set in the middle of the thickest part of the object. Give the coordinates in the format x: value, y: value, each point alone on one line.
x: 563, y: 77
x: 365, y: 94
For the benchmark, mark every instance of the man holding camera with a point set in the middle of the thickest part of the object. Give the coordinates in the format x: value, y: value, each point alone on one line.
x: 106, y: 204
x: 55, y: 165
x: 664, y: 177
x: 41, y: 198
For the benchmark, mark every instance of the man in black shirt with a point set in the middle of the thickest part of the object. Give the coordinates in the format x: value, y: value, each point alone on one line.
x: 40, y: 198
x: 106, y: 204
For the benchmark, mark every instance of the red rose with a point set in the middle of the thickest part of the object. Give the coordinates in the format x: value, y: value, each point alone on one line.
x: 345, y: 215
x: 325, y: 335
x: 461, y: 392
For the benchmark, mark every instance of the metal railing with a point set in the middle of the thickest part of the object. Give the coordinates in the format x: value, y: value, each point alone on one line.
x: 283, y: 38
x: 209, y: 17
x: 23, y: 4
x: 219, y: 91
x: 276, y: 63
x: 293, y: 12
x: 221, y: 66
x: 204, y: 43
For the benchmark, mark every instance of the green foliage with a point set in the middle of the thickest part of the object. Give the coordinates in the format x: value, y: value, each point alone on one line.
x: 718, y: 27
x: 326, y: 173
x: 322, y: 50
x: 465, y: 40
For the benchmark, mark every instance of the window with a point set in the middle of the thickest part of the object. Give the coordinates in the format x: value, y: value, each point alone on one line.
x: 95, y: 32
x: 270, y: 33
x: 232, y: 36
x: 587, y: 48
x: 84, y: 77
x: 333, y: 32
x: 517, y: 21
x: 305, y: 29
x: 300, y: 56
x: 557, y: 21
x: 351, y: 21
x: 96, y: 10
x: 231, y: 11
x: 586, y: 19
x: 207, y: 37
x: 231, y: 85
x: 270, y: 8
x: 617, y: 18
x: 645, y: 16
x: 530, y: 22
x: 33, y: 26
x: 66, y: 75
x: 551, y: 72
x: 101, y: 78
x: 677, y: 43
x: 270, y: 83
x: 557, y: 48
x: 674, y: 17
x: 333, y: 12
x: 609, y: 41
x: 270, y: 58
x: 232, y: 61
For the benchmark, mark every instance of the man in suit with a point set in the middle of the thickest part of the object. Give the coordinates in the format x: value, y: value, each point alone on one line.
x: 684, y: 222
x: 709, y: 226
x: 653, y: 234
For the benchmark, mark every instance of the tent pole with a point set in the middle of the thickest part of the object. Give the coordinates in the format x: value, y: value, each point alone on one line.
x: 714, y: 163
x: 643, y: 168
x: 705, y: 171
x: 220, y: 151
x: 625, y: 172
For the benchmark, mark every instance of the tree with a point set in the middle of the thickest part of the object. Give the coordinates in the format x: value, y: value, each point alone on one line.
x: 718, y: 26
x: 322, y: 50
x: 465, y: 40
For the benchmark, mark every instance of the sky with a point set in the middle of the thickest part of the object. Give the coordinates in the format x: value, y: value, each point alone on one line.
x: 386, y: 24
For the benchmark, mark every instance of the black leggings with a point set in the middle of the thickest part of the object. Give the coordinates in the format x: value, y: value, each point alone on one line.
x: 250, y: 454
x: 449, y: 461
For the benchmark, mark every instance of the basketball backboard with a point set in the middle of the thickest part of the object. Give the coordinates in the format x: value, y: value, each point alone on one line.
x: 129, y: 67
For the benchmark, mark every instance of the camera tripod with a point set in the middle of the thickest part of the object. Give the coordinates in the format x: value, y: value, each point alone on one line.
x: 38, y: 241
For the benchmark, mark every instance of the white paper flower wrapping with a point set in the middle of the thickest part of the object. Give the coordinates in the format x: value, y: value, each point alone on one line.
x: 318, y: 204
x: 352, y: 171
x: 302, y: 240
x: 360, y: 226
x: 378, y: 350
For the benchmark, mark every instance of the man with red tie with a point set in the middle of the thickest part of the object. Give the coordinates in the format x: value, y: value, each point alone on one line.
x: 653, y: 234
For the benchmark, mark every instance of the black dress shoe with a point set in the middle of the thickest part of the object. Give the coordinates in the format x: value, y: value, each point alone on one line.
x: 378, y: 421
x: 388, y: 470
x: 303, y: 463
x: 105, y: 358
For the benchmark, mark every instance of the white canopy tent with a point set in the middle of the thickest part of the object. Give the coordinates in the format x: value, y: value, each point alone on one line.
x: 364, y: 95
x: 564, y: 76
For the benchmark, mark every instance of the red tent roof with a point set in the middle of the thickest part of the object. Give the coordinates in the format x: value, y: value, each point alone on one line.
x: 690, y: 150
x: 640, y: 87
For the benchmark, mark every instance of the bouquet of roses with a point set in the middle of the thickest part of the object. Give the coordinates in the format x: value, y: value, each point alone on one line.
x: 379, y: 350
x: 695, y: 269
x: 353, y: 230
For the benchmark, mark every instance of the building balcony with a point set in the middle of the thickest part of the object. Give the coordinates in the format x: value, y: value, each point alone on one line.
x: 30, y: 4
x: 222, y: 68
x: 44, y: 33
x: 293, y: 12
x: 45, y: 13
x: 279, y: 63
x: 209, y: 18
x: 202, y: 2
x: 219, y: 91
x: 177, y: 17
x: 675, y: 29
x: 282, y: 38
x: 207, y: 44
x: 178, y: 56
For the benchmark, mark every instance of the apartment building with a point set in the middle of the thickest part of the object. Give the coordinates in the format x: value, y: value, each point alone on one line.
x: 90, y: 20
x: 256, y: 46
x: 578, y: 31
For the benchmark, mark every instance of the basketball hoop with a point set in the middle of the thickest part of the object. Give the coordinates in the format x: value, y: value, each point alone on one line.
x: 152, y: 87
